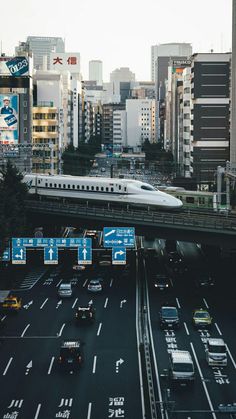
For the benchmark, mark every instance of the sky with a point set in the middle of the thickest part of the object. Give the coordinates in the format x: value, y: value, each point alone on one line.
x: 119, y: 32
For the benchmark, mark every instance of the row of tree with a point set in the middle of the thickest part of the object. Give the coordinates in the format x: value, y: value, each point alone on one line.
x: 78, y: 161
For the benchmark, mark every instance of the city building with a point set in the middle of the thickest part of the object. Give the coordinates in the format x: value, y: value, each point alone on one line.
x: 42, y: 47
x: 119, y: 130
x: 140, y: 122
x: 233, y: 89
x: 210, y: 114
x: 95, y: 71
x: 122, y: 74
x: 107, y: 122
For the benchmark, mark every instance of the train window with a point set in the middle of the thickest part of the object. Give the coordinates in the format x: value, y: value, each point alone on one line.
x: 201, y: 200
x: 50, y: 184
x: 92, y: 188
x: 68, y: 186
x: 46, y: 184
x: 190, y: 199
x: 125, y: 188
x: 97, y: 188
x: 59, y: 185
x: 87, y: 187
x: 78, y: 186
x: 64, y: 186
x: 82, y: 187
x: 148, y: 188
x: 119, y: 187
x: 73, y: 186
x: 112, y: 189
x: 102, y: 189
x: 107, y: 189
x: 39, y: 181
x: 55, y: 185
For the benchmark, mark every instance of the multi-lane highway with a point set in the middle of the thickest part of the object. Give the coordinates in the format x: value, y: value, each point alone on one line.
x: 109, y: 383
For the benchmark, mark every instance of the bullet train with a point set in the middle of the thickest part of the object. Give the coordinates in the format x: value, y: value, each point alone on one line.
x: 109, y: 190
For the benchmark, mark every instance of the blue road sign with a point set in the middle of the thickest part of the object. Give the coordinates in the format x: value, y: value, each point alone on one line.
x: 85, y: 255
x: 118, y: 236
x: 47, y: 242
x: 19, y: 255
x: 51, y: 255
x: 6, y: 256
x: 119, y: 255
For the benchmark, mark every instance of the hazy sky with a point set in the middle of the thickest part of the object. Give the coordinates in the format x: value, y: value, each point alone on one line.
x: 119, y: 32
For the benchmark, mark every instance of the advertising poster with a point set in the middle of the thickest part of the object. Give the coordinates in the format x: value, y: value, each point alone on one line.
x: 9, y: 119
x: 14, y: 66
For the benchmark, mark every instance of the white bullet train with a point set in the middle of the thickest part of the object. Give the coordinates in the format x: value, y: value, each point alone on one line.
x: 110, y: 190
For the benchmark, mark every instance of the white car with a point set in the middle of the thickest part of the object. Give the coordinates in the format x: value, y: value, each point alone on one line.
x: 65, y: 290
x: 94, y: 285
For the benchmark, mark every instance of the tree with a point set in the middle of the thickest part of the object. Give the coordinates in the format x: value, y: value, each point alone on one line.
x: 12, y: 209
x: 78, y: 161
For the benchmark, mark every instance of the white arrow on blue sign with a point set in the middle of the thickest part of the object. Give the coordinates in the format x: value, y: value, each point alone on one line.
x: 113, y: 236
x: 84, y: 255
x: 18, y: 256
x: 118, y: 255
x: 51, y: 255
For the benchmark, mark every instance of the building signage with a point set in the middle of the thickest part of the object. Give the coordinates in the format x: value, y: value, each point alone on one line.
x: 65, y: 61
x: 8, y: 119
x: 14, y: 66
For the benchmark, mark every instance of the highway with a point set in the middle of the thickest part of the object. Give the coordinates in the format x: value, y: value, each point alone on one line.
x: 109, y: 383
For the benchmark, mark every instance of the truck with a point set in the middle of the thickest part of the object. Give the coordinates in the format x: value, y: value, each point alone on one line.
x: 181, y: 369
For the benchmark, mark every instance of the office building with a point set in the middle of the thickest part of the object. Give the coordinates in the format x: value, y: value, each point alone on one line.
x: 233, y: 89
x: 42, y: 47
x: 95, y: 71
x: 140, y: 122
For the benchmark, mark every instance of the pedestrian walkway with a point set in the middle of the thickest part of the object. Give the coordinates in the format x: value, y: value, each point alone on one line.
x: 32, y: 278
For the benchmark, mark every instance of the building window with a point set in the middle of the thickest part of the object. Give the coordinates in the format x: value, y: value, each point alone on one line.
x: 25, y: 130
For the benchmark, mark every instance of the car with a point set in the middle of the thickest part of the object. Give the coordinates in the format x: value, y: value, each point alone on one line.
x: 85, y: 314
x: 181, y: 369
x: 203, y: 280
x: 161, y: 282
x: 77, y: 267
x: 71, y: 354
x: 11, y: 304
x: 169, y: 317
x: 201, y: 318
x: 65, y: 290
x: 175, y: 262
x: 105, y: 260
x: 94, y: 285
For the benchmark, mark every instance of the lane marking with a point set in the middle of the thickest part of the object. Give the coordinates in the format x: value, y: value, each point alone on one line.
x: 231, y: 357
x: 203, y: 382
x: 99, y: 329
x: 106, y: 301
x: 187, y: 331
x: 8, y: 365
x: 51, y: 364
x: 62, y: 327
x: 205, y: 302
x: 111, y: 282
x: 37, y: 411
x: 85, y: 282
x: 178, y: 304
x: 28, y: 325
x: 216, y: 325
x: 75, y: 302
x: 3, y: 318
x: 43, y: 304
x: 89, y: 410
x: 171, y: 282
x: 94, y: 363
x: 59, y: 283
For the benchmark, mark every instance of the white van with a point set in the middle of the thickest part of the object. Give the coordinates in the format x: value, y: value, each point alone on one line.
x: 181, y: 368
x: 216, y: 352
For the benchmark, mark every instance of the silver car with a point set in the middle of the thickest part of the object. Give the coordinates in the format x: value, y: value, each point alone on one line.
x: 94, y: 285
x: 65, y: 290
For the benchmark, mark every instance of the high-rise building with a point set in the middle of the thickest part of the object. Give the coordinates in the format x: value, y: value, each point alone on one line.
x: 122, y: 74
x: 95, y: 71
x: 168, y: 50
x: 233, y: 90
x: 41, y: 47
x: 140, y: 122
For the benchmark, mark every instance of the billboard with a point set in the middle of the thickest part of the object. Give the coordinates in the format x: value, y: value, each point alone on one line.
x: 9, y: 119
x: 65, y: 61
x: 14, y: 66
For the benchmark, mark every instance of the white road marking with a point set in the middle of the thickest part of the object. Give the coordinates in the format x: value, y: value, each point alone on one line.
x: 75, y: 302
x: 59, y: 283
x: 8, y: 365
x: 43, y: 304
x: 3, y: 318
x: 111, y: 282
x: 62, y: 327
x: 28, y: 325
x: 231, y: 357
x: 89, y: 410
x: 205, y: 302
x: 216, y: 325
x: 51, y: 364
x: 178, y: 304
x: 85, y: 282
x: 99, y: 329
x: 37, y: 411
x: 94, y: 363
x: 105, y: 304
x: 187, y: 331
x: 203, y: 382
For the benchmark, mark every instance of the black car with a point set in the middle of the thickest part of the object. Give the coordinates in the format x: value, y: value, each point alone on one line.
x: 71, y: 354
x: 169, y: 317
x: 175, y: 262
x: 161, y: 282
x: 85, y: 314
x: 204, y: 280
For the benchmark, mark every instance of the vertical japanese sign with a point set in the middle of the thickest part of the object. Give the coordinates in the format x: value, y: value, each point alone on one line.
x: 9, y: 119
